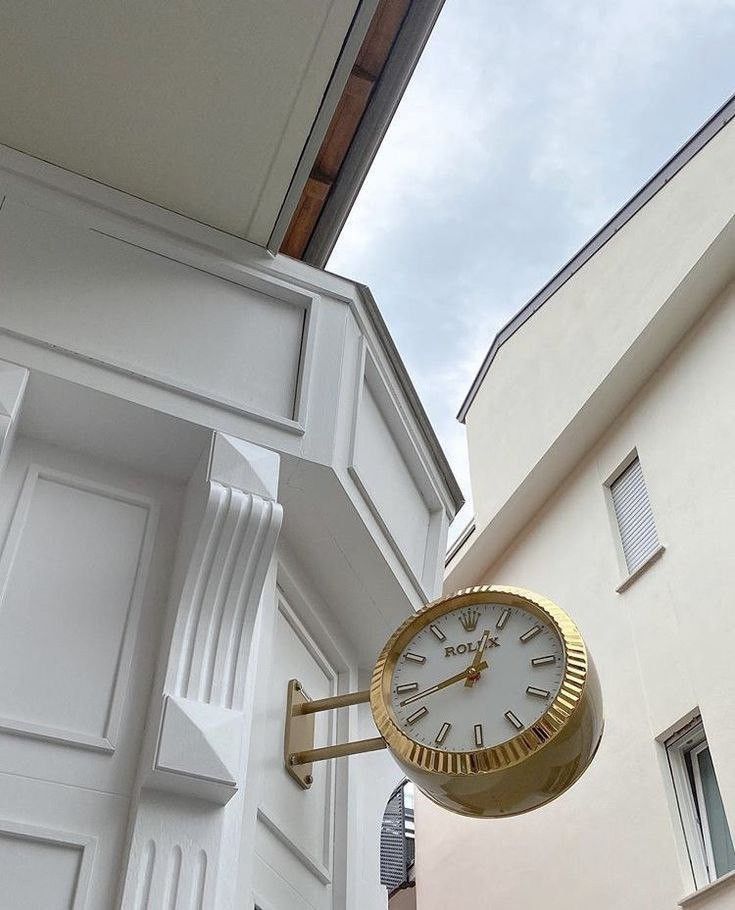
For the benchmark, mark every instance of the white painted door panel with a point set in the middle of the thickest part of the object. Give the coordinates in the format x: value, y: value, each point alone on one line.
x: 84, y: 569
x: 295, y: 827
x: 74, y: 561
x: 40, y: 866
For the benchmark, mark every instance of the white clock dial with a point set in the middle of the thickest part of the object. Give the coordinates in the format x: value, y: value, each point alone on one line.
x: 436, y: 704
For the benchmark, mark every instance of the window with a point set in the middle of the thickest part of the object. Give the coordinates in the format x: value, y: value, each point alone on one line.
x: 703, y: 819
x: 634, y: 516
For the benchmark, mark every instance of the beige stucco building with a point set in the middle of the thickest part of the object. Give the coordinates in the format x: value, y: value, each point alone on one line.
x: 601, y: 433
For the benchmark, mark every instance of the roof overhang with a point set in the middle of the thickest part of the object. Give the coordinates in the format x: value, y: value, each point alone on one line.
x: 388, y: 55
x: 216, y: 113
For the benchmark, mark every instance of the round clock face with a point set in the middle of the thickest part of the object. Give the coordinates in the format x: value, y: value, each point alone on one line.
x: 476, y: 677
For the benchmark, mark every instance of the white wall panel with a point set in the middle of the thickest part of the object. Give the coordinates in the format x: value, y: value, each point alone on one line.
x: 41, y: 868
x: 72, y: 569
x: 110, y: 300
x: 84, y: 829
x: 305, y: 834
x: 273, y: 890
x: 380, y: 466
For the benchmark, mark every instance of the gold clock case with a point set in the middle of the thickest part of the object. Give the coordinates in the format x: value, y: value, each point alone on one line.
x: 532, y: 768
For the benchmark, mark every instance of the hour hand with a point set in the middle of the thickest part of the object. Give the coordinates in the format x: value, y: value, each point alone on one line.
x: 444, y: 683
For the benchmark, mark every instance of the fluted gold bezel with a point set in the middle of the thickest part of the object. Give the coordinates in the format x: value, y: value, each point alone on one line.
x: 525, y: 743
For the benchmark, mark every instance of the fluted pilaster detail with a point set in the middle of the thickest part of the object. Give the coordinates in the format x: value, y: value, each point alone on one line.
x: 183, y: 841
x: 220, y: 597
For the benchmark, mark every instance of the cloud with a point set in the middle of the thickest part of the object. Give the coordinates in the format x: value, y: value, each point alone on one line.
x: 524, y: 127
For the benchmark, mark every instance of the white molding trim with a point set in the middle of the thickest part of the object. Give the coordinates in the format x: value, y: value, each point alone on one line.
x: 305, y: 369
x: 314, y: 866
x: 652, y: 557
x: 295, y: 589
x: 726, y: 882
x: 61, y: 735
x: 13, y: 382
x: 164, y: 383
x: 107, y: 741
x: 86, y: 844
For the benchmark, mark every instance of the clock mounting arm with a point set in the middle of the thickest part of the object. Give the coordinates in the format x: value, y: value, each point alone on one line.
x: 298, y: 744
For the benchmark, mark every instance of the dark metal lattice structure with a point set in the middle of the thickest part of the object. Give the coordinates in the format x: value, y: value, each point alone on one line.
x: 397, y: 847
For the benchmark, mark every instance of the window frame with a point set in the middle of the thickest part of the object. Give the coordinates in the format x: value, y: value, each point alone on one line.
x: 695, y: 752
x: 691, y: 741
x: 629, y: 575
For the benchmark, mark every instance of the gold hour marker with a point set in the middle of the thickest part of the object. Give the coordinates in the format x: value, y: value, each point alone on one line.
x: 500, y: 624
x: 518, y: 724
x: 532, y: 633
x: 540, y: 661
x: 442, y: 734
x: 417, y: 715
x: 438, y: 633
x: 540, y: 693
x: 478, y: 735
x: 417, y: 658
x: 407, y: 687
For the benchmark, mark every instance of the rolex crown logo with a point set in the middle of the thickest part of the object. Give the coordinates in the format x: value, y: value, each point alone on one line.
x: 468, y: 619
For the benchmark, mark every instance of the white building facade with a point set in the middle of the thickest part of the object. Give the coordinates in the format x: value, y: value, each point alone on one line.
x: 215, y: 473
x: 601, y: 434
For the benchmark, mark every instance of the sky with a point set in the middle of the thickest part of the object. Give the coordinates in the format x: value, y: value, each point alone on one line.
x: 526, y: 125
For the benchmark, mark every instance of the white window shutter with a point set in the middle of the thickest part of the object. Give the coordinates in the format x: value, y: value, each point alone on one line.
x: 634, y: 515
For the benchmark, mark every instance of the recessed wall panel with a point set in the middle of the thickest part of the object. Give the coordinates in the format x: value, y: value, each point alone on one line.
x: 38, y: 873
x: 305, y: 834
x: 380, y: 467
x: 71, y: 573
x: 139, y: 311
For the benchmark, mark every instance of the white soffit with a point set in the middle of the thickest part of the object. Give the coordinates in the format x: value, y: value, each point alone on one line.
x: 202, y: 108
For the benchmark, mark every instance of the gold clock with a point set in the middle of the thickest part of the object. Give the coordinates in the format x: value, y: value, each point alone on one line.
x: 487, y: 699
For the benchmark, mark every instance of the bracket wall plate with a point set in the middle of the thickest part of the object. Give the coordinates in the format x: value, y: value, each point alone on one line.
x: 299, y: 734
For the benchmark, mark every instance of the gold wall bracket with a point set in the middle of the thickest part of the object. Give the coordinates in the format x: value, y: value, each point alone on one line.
x: 299, y: 753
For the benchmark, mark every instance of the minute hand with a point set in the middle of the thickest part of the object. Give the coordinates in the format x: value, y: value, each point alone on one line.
x: 444, y: 683
x: 475, y: 665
